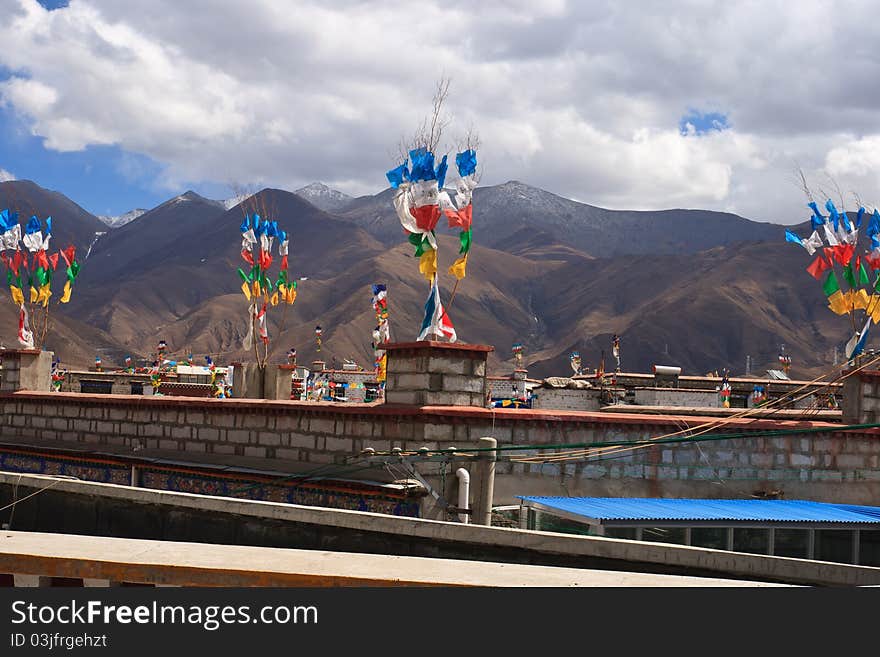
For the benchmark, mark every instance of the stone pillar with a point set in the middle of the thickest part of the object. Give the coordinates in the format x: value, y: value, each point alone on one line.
x: 278, y: 381
x: 26, y: 369
x: 519, y: 383
x: 484, y: 486
x: 861, y: 397
x: 432, y: 373
x: 248, y: 381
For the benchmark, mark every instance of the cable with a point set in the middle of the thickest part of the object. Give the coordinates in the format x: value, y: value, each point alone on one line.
x: 58, y: 480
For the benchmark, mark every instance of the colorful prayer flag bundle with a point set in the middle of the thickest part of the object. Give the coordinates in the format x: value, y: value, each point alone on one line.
x: 419, y: 201
x: 30, y: 279
x: 834, y: 242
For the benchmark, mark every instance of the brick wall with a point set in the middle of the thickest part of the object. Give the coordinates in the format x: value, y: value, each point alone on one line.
x: 676, y: 397
x: 566, y: 399
x: 829, y: 465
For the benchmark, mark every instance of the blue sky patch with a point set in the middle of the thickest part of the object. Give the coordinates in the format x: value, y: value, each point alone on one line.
x: 702, y: 122
x: 53, y: 4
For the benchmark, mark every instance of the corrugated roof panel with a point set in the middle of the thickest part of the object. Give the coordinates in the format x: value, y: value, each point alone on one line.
x: 626, y: 508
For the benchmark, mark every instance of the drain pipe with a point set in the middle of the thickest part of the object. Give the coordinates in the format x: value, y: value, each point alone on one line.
x: 484, y: 483
x: 464, y: 493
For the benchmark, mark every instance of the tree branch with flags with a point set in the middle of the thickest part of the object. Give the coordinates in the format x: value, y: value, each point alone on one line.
x: 263, y: 291
x: 419, y: 201
x: 30, y: 270
x: 834, y: 246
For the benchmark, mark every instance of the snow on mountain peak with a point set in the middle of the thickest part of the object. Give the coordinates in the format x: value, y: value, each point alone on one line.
x: 122, y: 219
x: 323, y: 197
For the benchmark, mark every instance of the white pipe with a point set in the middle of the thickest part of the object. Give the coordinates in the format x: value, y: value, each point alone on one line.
x: 464, y: 491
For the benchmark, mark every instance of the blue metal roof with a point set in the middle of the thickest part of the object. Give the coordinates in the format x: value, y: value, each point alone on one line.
x: 631, y: 508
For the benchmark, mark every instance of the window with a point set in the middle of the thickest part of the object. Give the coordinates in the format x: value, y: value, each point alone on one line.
x: 792, y: 543
x: 834, y: 545
x: 664, y: 535
x: 621, y: 532
x: 869, y: 548
x: 709, y: 537
x: 754, y: 541
x: 550, y: 523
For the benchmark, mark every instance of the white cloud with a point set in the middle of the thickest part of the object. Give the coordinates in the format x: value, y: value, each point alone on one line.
x: 583, y: 99
x: 6, y: 176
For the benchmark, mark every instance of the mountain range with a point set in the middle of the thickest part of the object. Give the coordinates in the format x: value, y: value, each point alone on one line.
x: 693, y: 288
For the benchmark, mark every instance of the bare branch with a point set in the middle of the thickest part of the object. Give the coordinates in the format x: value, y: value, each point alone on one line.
x: 430, y: 131
x: 857, y: 198
x: 802, y: 179
x: 836, y: 189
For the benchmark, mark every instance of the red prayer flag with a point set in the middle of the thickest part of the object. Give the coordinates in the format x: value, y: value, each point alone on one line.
x: 462, y: 218
x: 873, y: 261
x: 819, y: 266
x: 247, y: 256
x: 69, y: 254
x: 40, y: 259
x: 53, y: 260
x: 842, y: 253
x: 265, y: 260
x: 426, y: 216
x: 16, y: 262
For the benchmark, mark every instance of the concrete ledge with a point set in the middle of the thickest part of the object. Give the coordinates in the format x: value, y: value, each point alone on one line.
x: 535, y: 546
x: 445, y: 346
x: 197, y: 564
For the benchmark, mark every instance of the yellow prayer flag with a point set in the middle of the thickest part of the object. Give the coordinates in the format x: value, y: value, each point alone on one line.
x: 428, y: 264
x: 458, y: 267
x: 274, y: 299
x: 34, y: 294
x: 246, y: 288
x: 861, y: 300
x: 45, y: 293
x: 838, y: 303
x: 290, y: 297
x: 875, y: 308
x: 17, y: 296
x: 67, y: 290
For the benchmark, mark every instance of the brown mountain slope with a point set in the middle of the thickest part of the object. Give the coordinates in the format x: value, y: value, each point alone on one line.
x: 490, y: 307
x: 182, y: 256
x: 702, y: 312
x: 172, y: 275
x: 70, y: 223
x: 506, y: 216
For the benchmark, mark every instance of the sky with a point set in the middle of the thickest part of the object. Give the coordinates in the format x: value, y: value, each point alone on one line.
x: 625, y: 105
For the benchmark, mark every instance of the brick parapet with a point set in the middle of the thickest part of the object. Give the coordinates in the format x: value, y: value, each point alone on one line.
x: 813, y: 466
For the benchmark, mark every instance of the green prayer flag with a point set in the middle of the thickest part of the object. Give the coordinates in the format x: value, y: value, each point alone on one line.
x: 9, y: 278
x: 465, y: 238
x: 863, y: 274
x: 849, y: 275
x: 831, y: 285
x: 421, y: 243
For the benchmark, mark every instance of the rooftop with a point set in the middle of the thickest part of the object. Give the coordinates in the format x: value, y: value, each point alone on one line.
x: 735, y: 511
